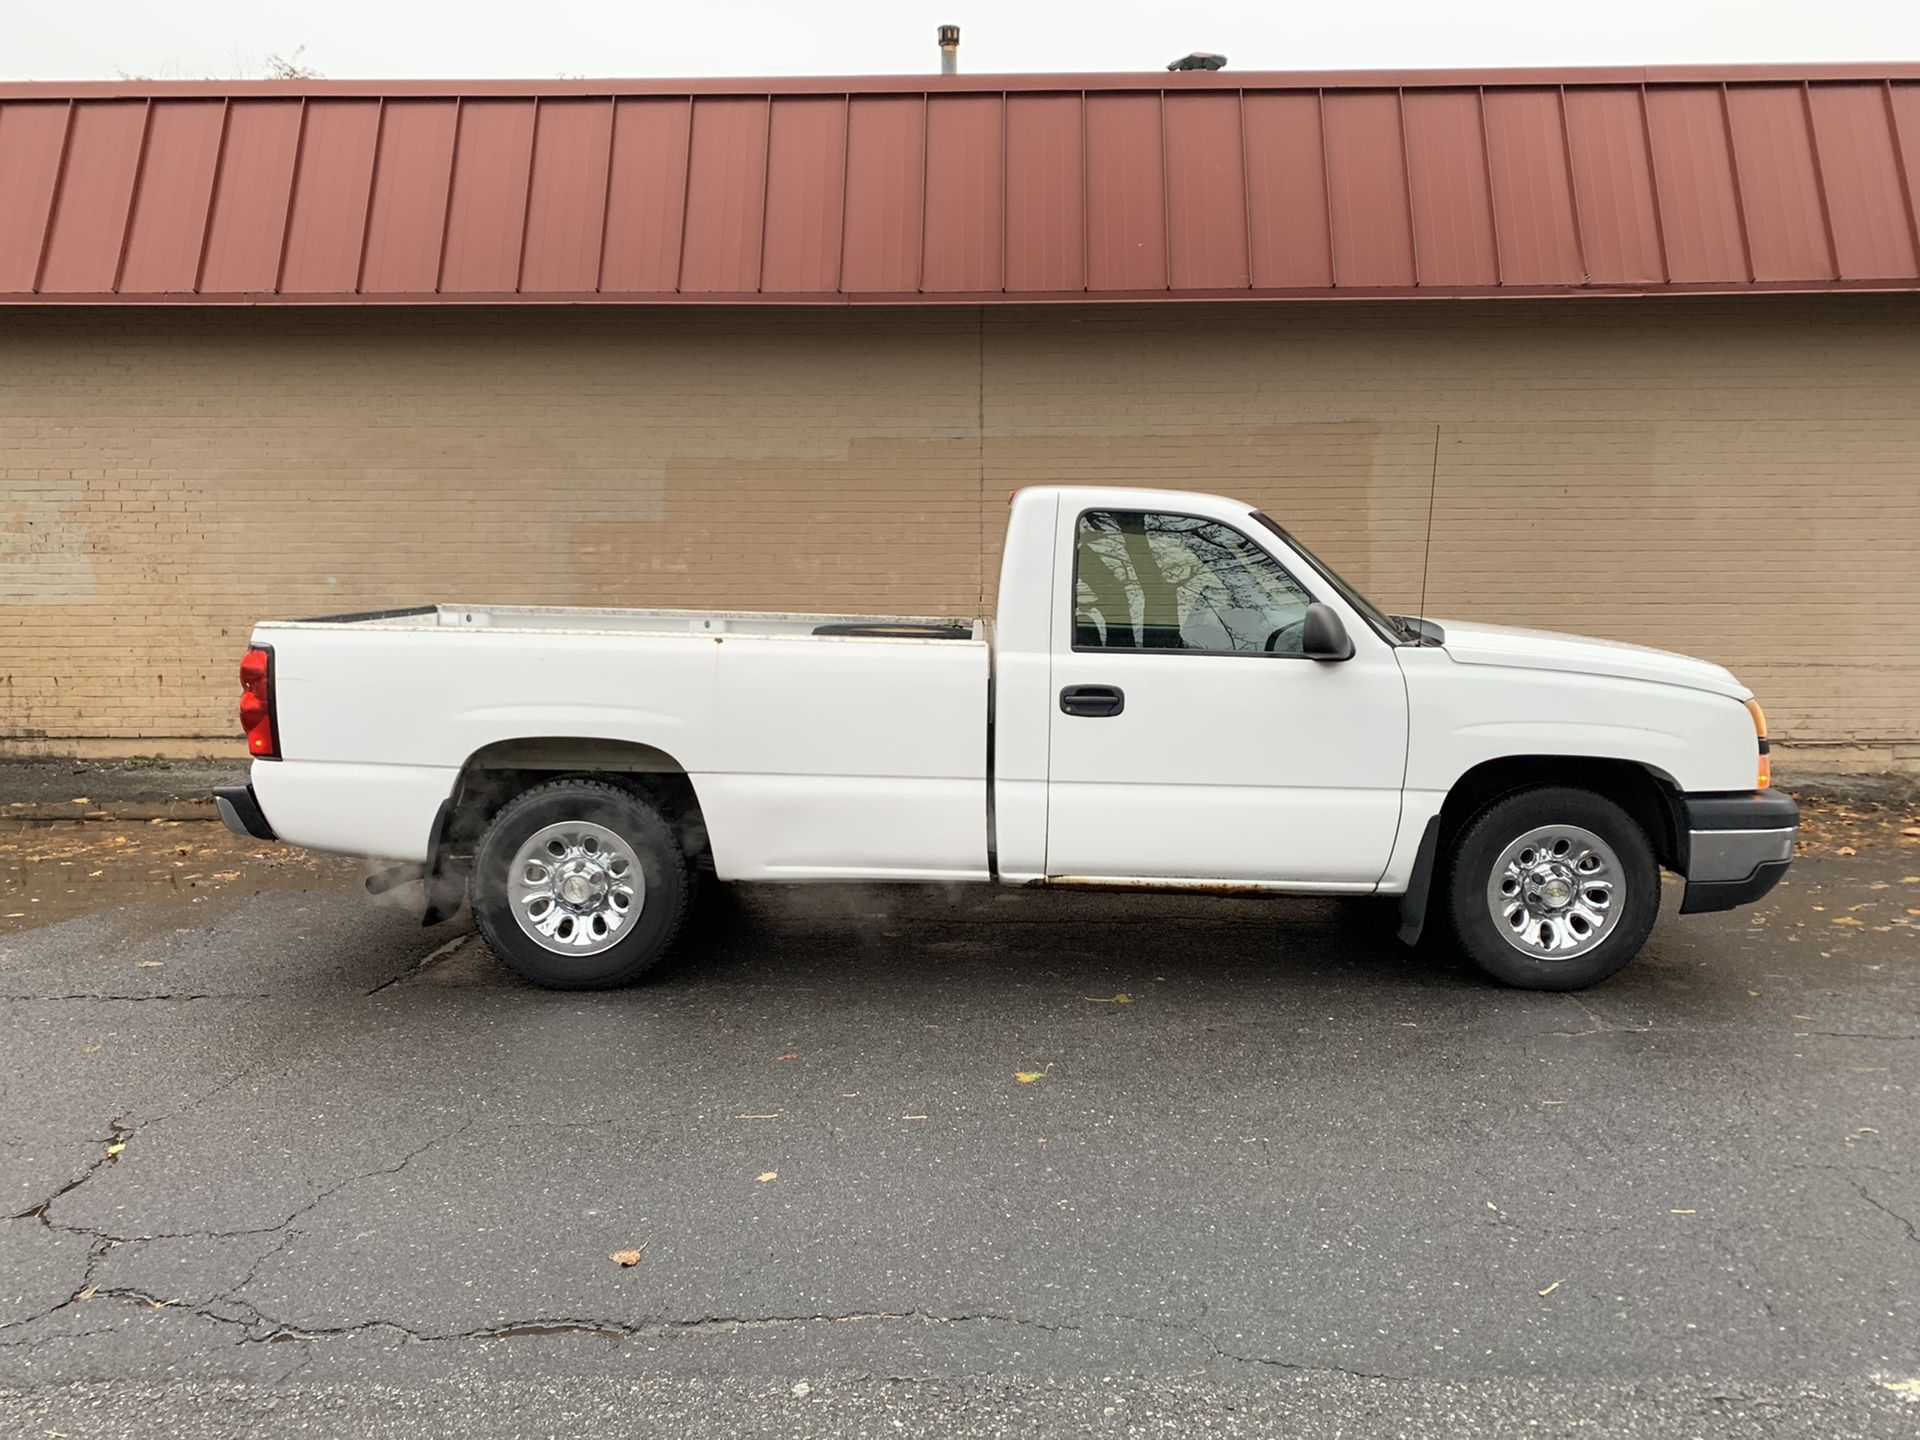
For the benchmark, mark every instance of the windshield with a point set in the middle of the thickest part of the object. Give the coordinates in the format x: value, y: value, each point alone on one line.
x: 1388, y: 625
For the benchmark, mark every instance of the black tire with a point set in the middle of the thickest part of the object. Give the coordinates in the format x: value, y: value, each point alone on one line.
x: 1470, y: 868
x: 663, y: 866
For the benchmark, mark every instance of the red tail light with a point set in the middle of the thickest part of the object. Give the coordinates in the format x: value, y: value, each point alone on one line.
x: 256, y: 704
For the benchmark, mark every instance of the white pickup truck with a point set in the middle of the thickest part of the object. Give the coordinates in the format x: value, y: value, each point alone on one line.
x: 1174, y: 694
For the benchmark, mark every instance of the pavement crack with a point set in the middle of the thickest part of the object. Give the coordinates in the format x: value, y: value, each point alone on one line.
x: 95, y: 997
x: 425, y: 962
x: 259, y: 1328
x: 1913, y: 1234
x: 1596, y: 1025
x: 115, y: 1142
x: 1852, y: 1035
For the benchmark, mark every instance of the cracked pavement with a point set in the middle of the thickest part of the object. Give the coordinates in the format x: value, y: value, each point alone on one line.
x: 277, y: 1158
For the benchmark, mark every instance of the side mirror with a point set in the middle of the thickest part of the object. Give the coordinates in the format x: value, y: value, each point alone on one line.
x: 1323, y: 636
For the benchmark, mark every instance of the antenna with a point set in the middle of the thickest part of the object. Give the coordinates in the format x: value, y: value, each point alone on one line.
x: 1426, y: 554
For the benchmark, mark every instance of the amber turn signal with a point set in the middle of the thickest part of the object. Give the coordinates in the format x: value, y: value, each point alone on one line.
x: 1764, y: 779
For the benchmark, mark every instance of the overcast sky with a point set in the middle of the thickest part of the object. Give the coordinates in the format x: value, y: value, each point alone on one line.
x: 98, y: 39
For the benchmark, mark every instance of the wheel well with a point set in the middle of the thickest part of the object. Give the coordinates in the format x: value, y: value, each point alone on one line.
x: 1650, y: 798
x: 497, y: 773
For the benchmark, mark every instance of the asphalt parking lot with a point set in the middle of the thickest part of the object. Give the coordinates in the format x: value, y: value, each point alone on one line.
x: 899, y: 1161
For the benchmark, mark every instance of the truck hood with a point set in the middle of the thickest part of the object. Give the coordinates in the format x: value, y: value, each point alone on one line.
x: 1576, y: 654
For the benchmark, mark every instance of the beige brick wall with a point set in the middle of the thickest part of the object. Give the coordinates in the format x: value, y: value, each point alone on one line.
x: 1740, y: 479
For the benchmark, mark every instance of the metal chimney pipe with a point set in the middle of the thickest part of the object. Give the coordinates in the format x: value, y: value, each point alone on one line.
x: 949, y: 49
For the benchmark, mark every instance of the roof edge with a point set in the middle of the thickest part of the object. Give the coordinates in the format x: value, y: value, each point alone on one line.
x: 1862, y: 71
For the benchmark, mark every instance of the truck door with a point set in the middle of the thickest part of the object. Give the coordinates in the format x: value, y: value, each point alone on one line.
x: 1191, y: 738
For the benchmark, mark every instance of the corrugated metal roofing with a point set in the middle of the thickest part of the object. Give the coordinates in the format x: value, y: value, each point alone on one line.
x: 1201, y: 186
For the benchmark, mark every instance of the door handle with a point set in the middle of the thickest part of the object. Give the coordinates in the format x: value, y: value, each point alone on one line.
x: 1093, y: 701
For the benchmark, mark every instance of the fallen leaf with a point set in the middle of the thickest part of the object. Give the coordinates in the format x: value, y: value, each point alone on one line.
x: 1027, y: 1077
x: 1911, y: 830
x: 93, y: 1050
x: 1846, y: 920
x: 150, y: 964
x: 1846, y: 850
x: 116, y: 1147
x: 83, y: 800
x: 1910, y: 879
x: 1121, y: 999
x: 627, y: 1259
x: 88, y: 1293
x: 1551, y: 1288
x: 790, y: 1055
x: 766, y: 1175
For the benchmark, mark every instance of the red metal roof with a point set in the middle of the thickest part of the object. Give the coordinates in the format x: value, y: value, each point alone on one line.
x: 969, y: 188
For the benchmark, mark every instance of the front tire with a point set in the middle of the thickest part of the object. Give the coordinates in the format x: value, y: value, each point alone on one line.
x: 579, y: 885
x: 1552, y: 888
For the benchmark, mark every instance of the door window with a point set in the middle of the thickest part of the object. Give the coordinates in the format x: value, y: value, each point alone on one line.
x: 1177, y: 582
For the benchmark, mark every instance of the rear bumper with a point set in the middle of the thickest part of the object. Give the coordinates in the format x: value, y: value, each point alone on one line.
x: 241, y: 811
x: 1738, y: 847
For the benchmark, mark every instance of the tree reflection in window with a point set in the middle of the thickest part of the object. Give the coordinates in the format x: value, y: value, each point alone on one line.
x: 1177, y: 582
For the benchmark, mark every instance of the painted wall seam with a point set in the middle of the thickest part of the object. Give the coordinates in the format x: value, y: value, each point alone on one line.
x: 1573, y: 189
x: 293, y: 199
x: 1493, y: 190
x: 133, y: 195
x: 213, y: 194
x: 1820, y: 178
x: 606, y: 194
x: 1406, y: 184
x: 526, y: 204
x: 1739, y: 196
x: 1653, y: 188
x: 373, y: 184
x: 1900, y: 166
x: 53, y: 201
x: 446, y: 211
x: 1326, y: 192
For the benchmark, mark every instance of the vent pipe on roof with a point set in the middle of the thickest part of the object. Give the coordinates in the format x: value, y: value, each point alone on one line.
x: 1198, y: 60
x: 949, y: 49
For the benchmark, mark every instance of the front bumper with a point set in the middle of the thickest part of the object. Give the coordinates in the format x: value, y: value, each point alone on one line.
x: 1738, y: 847
x: 241, y: 811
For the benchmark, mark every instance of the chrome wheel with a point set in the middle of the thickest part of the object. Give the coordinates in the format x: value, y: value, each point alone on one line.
x: 1556, y: 892
x: 575, y: 887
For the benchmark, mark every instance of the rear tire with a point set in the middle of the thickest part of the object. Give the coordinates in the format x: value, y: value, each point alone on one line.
x: 579, y: 884
x: 1551, y: 888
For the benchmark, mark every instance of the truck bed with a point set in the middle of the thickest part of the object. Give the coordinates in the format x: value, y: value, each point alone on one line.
x: 589, y: 620
x: 820, y: 746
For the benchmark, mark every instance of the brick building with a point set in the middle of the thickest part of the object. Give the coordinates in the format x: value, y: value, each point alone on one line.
x: 282, y: 349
